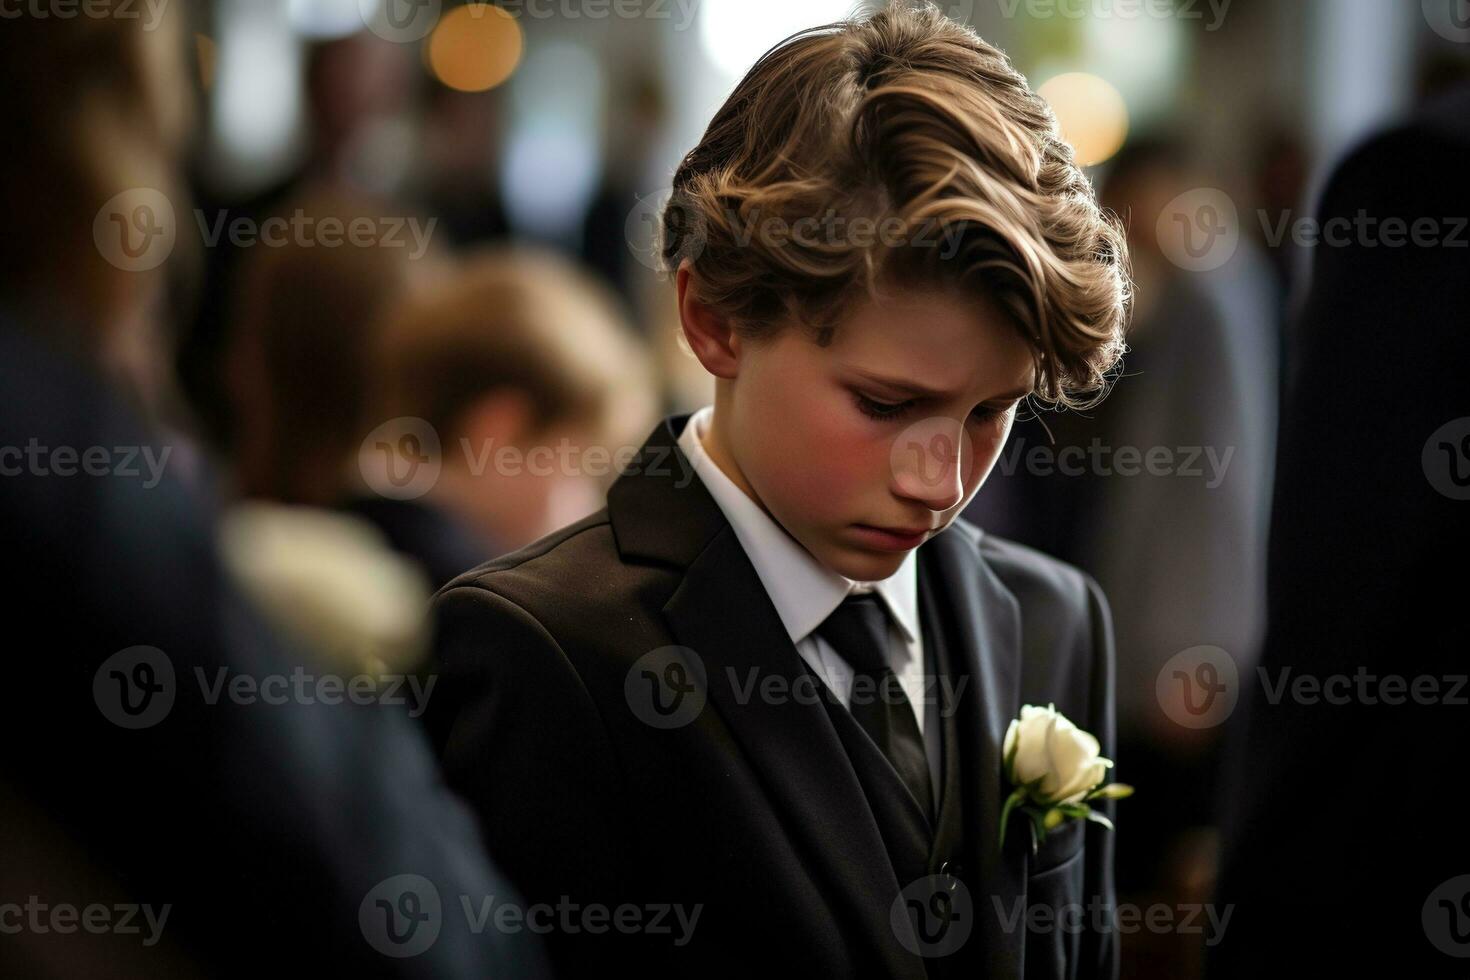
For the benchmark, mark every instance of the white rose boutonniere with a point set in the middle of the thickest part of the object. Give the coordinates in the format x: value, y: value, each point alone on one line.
x: 1055, y: 770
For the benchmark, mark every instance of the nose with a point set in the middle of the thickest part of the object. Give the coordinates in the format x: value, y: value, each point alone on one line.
x: 929, y: 466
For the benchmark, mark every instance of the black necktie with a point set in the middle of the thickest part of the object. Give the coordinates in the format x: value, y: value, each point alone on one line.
x: 858, y: 630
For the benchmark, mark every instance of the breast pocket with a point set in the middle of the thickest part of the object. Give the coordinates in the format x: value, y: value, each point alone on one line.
x: 1057, y: 914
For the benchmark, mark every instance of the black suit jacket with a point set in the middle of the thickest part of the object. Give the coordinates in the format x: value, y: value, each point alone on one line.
x: 751, y: 809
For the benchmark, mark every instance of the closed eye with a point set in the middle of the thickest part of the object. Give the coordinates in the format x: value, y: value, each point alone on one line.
x: 888, y: 411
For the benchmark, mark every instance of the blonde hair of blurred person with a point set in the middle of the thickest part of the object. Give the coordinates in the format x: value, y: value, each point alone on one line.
x: 521, y: 364
x: 116, y: 125
x: 299, y: 369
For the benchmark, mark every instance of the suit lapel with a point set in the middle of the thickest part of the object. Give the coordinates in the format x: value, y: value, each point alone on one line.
x: 661, y: 511
x: 986, y: 631
x: 722, y: 612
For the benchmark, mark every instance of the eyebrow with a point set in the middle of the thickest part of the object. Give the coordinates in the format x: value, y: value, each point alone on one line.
x: 918, y: 390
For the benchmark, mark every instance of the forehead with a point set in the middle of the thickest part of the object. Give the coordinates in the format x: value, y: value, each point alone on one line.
x: 945, y: 339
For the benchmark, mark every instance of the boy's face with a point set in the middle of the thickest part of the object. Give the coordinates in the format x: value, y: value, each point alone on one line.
x: 833, y: 446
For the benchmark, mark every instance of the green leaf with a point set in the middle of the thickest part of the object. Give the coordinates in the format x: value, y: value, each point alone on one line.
x: 1038, y: 828
x: 1012, y: 802
x: 1099, y: 818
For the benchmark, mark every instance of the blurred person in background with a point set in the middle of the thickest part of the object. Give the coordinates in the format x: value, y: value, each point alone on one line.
x: 1182, y: 555
x: 253, y: 834
x: 308, y: 305
x: 305, y: 320
x: 1341, y: 853
x: 356, y: 88
x: 458, y: 178
x: 525, y: 371
x: 642, y: 112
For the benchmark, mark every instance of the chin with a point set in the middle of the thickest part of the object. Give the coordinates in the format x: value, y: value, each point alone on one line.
x: 865, y: 566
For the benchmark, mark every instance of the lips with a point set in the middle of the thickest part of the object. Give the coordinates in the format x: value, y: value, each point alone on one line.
x: 903, y: 532
x: 891, y: 538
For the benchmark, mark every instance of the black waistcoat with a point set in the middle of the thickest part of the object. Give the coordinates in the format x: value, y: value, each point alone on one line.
x: 918, y: 850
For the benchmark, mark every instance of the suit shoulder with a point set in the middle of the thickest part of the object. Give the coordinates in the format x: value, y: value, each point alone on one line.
x: 575, y: 585
x: 1038, y: 580
x: 548, y: 558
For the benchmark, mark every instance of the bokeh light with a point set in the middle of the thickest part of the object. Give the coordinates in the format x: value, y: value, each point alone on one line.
x: 1091, y: 114
x: 475, y: 48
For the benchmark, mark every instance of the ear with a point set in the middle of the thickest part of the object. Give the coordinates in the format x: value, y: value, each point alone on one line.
x: 710, y: 336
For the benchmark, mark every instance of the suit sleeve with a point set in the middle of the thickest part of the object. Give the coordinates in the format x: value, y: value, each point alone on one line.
x: 1100, y: 952
x: 520, y: 737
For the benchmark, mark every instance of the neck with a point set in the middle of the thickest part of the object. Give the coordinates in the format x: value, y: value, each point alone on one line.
x: 716, y: 442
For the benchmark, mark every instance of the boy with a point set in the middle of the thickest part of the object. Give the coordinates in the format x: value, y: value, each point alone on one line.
x: 750, y: 715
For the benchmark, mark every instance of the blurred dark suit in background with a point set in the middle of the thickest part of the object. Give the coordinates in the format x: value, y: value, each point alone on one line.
x: 1341, y: 820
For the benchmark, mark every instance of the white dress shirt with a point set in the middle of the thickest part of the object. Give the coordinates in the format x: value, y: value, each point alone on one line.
x: 805, y: 592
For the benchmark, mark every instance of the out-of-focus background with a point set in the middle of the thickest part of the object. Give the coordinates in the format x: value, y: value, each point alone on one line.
x: 1207, y: 125
x: 497, y: 171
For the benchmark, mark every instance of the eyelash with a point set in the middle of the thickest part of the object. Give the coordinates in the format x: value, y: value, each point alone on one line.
x: 888, y: 412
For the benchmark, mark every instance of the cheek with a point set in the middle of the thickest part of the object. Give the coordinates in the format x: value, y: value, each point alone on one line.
x: 818, y: 460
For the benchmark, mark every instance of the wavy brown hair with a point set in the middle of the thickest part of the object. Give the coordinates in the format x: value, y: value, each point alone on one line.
x: 913, y: 124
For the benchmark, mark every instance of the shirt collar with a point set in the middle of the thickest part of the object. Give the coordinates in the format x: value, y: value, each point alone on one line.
x: 804, y: 591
